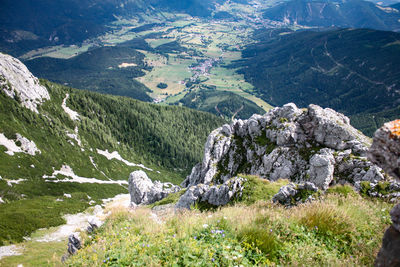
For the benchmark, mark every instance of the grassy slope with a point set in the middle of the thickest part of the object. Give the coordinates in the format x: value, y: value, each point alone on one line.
x: 339, y: 229
x: 166, y: 139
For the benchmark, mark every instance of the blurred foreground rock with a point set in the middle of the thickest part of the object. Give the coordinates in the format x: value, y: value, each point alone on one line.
x: 385, y: 152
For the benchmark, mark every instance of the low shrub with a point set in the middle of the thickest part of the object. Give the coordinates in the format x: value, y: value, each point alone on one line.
x: 258, y: 189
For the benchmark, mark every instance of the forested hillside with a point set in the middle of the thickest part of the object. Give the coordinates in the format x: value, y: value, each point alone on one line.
x: 221, y: 103
x: 80, y: 149
x: 101, y: 69
x: 354, y: 71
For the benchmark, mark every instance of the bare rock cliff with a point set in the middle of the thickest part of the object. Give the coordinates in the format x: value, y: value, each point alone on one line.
x: 19, y: 83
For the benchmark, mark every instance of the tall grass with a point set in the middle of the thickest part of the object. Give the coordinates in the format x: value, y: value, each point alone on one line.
x: 337, y: 230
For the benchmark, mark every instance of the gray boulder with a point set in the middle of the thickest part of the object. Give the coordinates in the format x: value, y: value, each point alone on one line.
x: 285, y: 194
x: 290, y: 194
x: 74, y: 244
x: 217, y: 195
x: 144, y: 191
x: 191, y: 196
x: 321, y: 170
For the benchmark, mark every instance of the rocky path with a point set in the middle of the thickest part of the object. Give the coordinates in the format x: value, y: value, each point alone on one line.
x: 75, y: 223
x: 12, y: 250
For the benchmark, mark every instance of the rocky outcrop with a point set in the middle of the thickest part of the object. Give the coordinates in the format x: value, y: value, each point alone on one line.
x: 18, y: 82
x: 292, y: 194
x: 385, y: 149
x: 74, y: 244
x: 144, y: 191
x: 216, y: 195
x: 303, y: 145
x: 19, y: 145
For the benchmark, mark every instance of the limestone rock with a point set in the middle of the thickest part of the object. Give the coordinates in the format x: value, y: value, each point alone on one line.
x: 144, y: 191
x: 285, y: 194
x: 17, y: 81
x: 27, y: 146
x: 385, y: 149
x: 191, y: 195
x: 321, y: 168
x: 290, y: 194
x: 333, y: 129
x: 315, y: 144
x: 216, y: 146
x: 217, y: 195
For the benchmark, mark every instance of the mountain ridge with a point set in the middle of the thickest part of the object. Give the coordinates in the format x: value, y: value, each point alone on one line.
x: 343, y: 14
x: 353, y: 71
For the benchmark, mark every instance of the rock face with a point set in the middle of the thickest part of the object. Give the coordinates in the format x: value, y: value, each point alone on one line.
x: 216, y: 195
x: 385, y: 149
x: 144, y: 191
x: 303, y: 145
x: 18, y: 82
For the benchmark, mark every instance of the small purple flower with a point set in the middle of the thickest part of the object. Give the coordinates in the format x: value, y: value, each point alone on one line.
x: 213, y: 231
x: 195, y: 237
x: 270, y: 230
x: 143, y: 245
x: 148, y: 245
x: 174, y: 236
x: 212, y: 259
x: 223, y: 235
x: 104, y: 261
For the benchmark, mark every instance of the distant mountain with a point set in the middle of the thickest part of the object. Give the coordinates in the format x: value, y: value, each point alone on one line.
x: 331, y: 13
x: 356, y: 72
x: 396, y: 6
x: 385, y: 2
x: 63, y: 149
x: 26, y: 24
